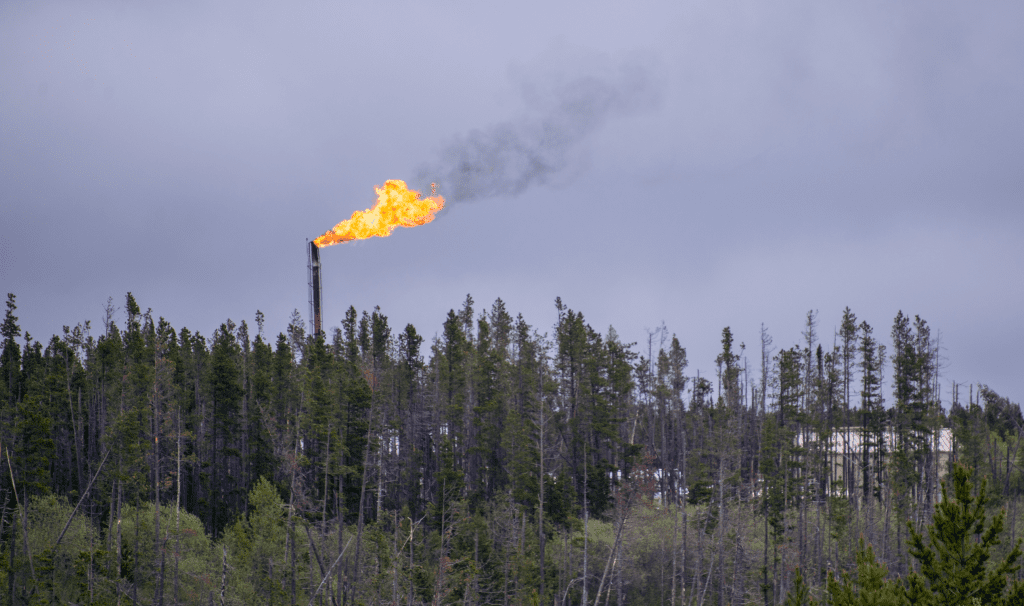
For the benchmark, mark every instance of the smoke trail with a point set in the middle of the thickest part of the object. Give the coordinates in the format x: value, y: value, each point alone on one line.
x: 507, y: 158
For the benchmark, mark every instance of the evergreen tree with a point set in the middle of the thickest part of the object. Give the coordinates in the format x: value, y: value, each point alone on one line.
x: 869, y: 588
x: 800, y: 595
x: 451, y: 357
x: 10, y: 358
x: 317, y: 423
x: 32, y: 449
x: 257, y: 542
x: 908, y: 416
x: 356, y: 396
x: 956, y: 558
x: 226, y: 392
x: 872, y: 414
x: 847, y: 352
x: 490, y: 473
x: 412, y: 423
x: 504, y: 466
x: 262, y: 461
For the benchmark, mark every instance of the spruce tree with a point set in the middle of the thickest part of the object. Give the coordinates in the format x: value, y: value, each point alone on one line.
x: 954, y: 558
x: 870, y: 588
x: 800, y: 595
x: 10, y: 359
x: 848, y: 350
x: 226, y: 389
x: 872, y: 413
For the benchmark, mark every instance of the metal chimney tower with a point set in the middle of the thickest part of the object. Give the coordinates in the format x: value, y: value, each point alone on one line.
x: 315, y: 288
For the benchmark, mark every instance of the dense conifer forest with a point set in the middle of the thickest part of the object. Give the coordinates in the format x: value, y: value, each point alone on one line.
x: 500, y: 463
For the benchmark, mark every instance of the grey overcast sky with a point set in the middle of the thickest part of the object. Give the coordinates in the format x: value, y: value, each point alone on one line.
x: 702, y: 164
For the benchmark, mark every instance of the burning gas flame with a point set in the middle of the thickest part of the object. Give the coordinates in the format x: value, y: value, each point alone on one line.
x: 397, y: 205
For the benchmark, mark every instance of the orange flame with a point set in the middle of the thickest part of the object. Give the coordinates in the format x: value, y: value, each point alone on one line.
x: 396, y: 205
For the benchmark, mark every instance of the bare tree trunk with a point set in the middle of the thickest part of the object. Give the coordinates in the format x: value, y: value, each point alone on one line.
x: 163, y: 563
x: 158, y: 599
x: 682, y: 569
x: 439, y: 582
x: 765, y: 586
x: 721, y: 528
x: 341, y: 521
x: 224, y: 575
x: 540, y: 507
x: 177, y: 513
x: 327, y: 469
x: 778, y: 581
x: 320, y: 563
x: 620, y: 598
x: 521, y: 553
x: 11, y: 549
x: 158, y: 548
x: 327, y: 575
x: 310, y: 558
x: 699, y: 564
x: 76, y: 426
x: 362, y: 500
x: 504, y: 570
x: 291, y: 516
x: 819, y: 539
x: 707, y: 582
x: 586, y: 520
x: 135, y: 581
x: 246, y: 480
x: 476, y: 566
x: 119, y: 497
x: 612, y: 554
x: 675, y: 548
x: 110, y: 521
x: 380, y: 480
x: 397, y: 556
x: 24, y: 524
x: 563, y: 572
x: 411, y: 561
x: 739, y: 568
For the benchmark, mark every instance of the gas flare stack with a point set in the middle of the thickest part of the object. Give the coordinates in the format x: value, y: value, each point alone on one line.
x: 315, y: 289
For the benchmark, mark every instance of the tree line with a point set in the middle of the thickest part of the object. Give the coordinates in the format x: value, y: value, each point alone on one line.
x: 493, y: 464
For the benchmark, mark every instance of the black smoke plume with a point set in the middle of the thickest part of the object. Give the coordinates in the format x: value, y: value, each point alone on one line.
x: 507, y: 158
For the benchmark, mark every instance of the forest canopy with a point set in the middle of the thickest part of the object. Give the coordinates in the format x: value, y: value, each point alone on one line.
x: 498, y: 463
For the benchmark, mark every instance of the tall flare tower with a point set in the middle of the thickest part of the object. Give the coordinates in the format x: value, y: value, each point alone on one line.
x: 315, y: 288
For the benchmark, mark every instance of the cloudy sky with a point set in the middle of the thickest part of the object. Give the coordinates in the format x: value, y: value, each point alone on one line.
x: 698, y: 164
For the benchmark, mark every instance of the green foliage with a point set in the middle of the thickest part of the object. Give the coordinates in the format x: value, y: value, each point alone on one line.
x: 559, y: 501
x: 869, y: 588
x: 453, y: 450
x: 647, y: 545
x: 954, y: 559
x: 54, y: 568
x: 257, y: 547
x: 774, y: 452
x: 226, y: 391
x: 872, y: 414
x: 33, y: 447
x: 450, y: 480
x: 262, y: 461
x: 10, y: 358
x: 185, y: 551
x: 800, y: 594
